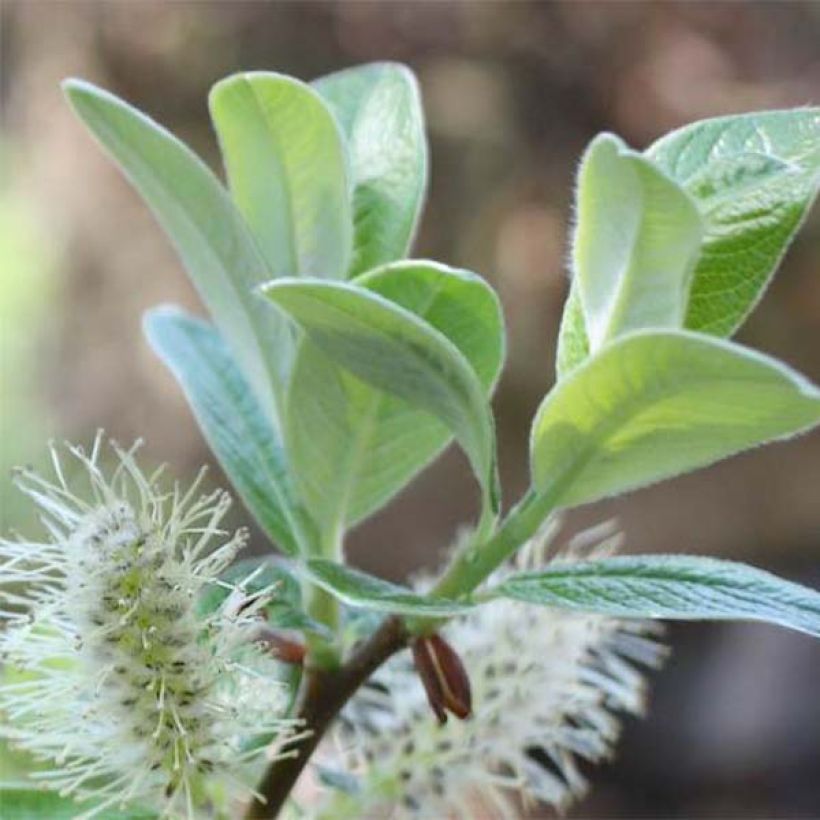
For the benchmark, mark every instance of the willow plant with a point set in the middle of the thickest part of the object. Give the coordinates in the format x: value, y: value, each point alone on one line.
x: 149, y: 673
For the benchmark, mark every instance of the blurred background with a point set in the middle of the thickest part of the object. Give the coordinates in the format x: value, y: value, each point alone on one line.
x: 513, y: 91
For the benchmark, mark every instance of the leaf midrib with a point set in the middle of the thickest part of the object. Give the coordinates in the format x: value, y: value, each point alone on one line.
x: 363, y: 439
x: 634, y: 572
x: 459, y: 387
x: 616, y: 420
x: 157, y: 183
x: 293, y: 245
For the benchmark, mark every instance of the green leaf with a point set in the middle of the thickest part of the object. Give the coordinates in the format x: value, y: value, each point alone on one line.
x: 22, y: 804
x: 378, y: 107
x: 31, y: 804
x: 657, y: 403
x: 207, y: 230
x: 287, y: 167
x: 392, y: 349
x: 573, y: 344
x: 231, y: 419
x: 636, y: 240
x: 680, y: 587
x: 358, y: 589
x: 354, y: 446
x: 755, y: 177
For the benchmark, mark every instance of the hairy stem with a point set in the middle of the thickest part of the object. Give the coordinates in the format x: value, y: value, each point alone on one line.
x: 325, y: 690
x: 324, y: 608
x: 478, y: 560
x: 322, y: 695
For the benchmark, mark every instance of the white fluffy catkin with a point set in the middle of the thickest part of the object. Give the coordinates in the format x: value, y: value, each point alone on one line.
x: 113, y: 681
x: 547, y: 686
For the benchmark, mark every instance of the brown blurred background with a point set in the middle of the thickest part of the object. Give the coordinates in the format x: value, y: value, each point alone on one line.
x: 513, y: 91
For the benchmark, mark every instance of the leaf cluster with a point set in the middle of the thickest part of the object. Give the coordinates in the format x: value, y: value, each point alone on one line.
x: 335, y: 368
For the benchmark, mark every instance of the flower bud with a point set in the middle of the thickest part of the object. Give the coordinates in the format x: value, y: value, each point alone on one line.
x: 284, y: 648
x: 444, y: 677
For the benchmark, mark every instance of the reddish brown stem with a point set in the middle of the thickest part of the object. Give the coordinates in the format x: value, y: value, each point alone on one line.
x: 322, y: 695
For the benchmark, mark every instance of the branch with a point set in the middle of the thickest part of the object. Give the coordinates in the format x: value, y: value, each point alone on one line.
x: 322, y: 695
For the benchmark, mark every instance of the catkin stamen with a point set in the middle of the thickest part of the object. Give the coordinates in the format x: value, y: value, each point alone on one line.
x: 130, y: 694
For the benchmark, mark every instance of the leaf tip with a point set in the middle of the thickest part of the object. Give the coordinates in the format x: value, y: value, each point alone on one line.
x: 159, y: 314
x: 222, y: 87
x: 75, y: 89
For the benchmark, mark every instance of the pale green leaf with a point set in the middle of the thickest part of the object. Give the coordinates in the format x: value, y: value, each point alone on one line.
x: 209, y: 233
x: 657, y: 403
x: 754, y: 177
x: 680, y: 587
x: 573, y: 344
x: 359, y: 589
x: 352, y: 445
x: 378, y: 107
x: 230, y: 417
x: 394, y: 350
x: 636, y: 239
x: 286, y: 164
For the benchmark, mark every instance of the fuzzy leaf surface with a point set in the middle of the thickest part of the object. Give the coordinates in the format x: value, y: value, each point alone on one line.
x: 353, y: 445
x: 392, y: 349
x: 679, y: 587
x: 755, y: 177
x: 637, y: 236
x: 287, y: 168
x: 654, y: 404
x: 230, y: 417
x: 378, y: 107
x: 211, y: 237
x: 573, y: 343
x: 359, y: 589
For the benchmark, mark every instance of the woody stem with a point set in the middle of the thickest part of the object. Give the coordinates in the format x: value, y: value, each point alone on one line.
x: 322, y: 695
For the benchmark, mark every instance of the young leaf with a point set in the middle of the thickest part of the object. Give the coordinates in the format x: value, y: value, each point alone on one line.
x: 205, y: 227
x: 392, y: 349
x: 287, y: 169
x: 657, y: 403
x: 573, y: 344
x: 680, y: 587
x: 755, y: 177
x: 378, y: 107
x: 230, y: 418
x: 358, y: 589
x: 636, y: 241
x: 354, y: 446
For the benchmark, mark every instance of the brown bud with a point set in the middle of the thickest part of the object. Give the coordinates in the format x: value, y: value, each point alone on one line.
x: 444, y: 677
x: 283, y: 648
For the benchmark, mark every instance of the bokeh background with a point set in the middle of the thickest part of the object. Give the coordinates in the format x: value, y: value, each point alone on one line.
x: 513, y: 91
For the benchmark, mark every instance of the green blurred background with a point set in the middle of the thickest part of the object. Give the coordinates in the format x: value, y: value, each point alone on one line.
x: 513, y: 91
